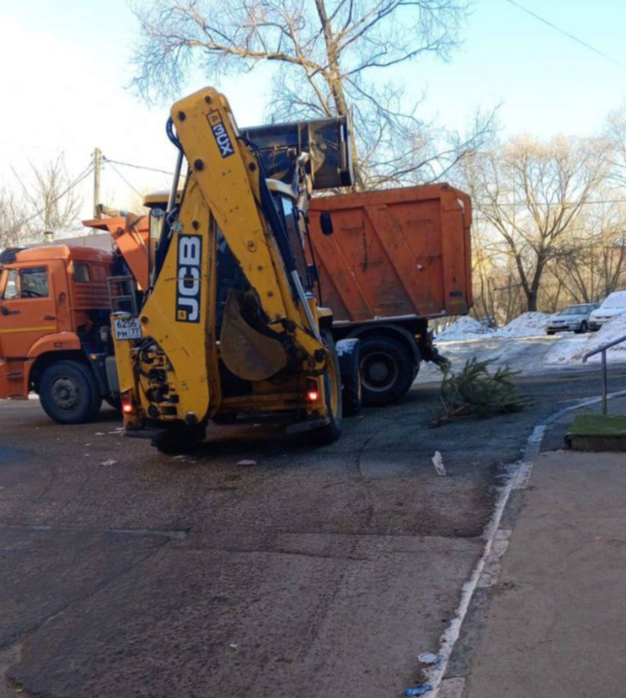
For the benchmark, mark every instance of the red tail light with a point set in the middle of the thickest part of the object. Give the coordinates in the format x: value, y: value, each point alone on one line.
x: 127, y: 403
x: 312, y: 395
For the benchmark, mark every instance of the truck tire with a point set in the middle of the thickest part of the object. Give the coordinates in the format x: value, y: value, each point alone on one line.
x: 387, y: 370
x: 69, y: 393
x: 334, y: 402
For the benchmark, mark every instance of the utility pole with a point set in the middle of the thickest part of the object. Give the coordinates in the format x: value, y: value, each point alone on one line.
x: 97, y: 165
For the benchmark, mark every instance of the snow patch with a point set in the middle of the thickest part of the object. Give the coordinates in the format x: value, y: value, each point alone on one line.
x: 566, y: 353
x: 526, y: 325
x: 464, y: 328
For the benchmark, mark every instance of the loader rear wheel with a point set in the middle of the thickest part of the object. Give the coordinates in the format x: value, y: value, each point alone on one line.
x: 180, y: 439
x: 334, y: 403
x: 69, y: 393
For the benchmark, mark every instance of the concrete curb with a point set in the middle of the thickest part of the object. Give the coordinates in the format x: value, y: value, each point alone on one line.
x: 463, y: 635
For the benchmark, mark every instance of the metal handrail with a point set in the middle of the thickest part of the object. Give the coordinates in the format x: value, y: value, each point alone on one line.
x: 602, y: 350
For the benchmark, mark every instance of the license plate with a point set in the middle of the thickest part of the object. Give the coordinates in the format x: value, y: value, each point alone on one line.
x: 127, y: 328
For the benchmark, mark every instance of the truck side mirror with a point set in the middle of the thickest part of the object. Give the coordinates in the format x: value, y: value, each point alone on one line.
x: 326, y: 223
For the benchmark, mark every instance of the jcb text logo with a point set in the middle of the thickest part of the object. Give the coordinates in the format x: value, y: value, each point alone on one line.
x: 221, y: 135
x: 188, y: 275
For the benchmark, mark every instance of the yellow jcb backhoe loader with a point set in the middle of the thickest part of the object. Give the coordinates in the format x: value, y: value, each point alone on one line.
x: 230, y: 325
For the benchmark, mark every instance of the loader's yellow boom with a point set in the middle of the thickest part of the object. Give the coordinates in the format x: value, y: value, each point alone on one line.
x: 229, y: 324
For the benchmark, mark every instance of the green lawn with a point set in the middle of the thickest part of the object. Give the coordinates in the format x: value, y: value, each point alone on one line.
x: 613, y: 425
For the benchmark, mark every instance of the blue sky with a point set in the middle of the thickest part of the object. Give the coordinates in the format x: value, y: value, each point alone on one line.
x: 66, y: 66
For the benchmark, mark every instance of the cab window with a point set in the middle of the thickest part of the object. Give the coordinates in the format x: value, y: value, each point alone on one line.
x: 295, y: 239
x: 81, y: 273
x: 11, y: 289
x: 33, y: 283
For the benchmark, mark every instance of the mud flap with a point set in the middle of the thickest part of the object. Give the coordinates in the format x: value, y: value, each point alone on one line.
x: 246, y: 352
x: 348, y: 355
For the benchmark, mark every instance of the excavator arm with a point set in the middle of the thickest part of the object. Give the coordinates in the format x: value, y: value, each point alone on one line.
x: 270, y: 327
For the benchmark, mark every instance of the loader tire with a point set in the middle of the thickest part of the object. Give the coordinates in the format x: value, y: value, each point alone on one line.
x: 387, y: 370
x: 334, y: 403
x: 69, y: 393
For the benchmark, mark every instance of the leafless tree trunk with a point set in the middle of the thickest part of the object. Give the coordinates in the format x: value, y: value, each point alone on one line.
x: 326, y: 54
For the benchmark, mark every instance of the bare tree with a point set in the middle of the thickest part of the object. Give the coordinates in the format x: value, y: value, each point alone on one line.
x: 50, y: 197
x: 591, y: 263
x: 531, y: 194
x: 13, y: 218
x: 327, y: 55
x: 616, y: 135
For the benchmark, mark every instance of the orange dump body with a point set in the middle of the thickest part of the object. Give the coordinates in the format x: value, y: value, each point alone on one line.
x: 395, y: 253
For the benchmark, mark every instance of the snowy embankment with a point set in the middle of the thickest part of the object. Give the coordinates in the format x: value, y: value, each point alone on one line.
x: 572, y: 354
x: 526, y: 325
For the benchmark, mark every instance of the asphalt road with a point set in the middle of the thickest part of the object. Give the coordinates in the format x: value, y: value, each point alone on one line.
x: 317, y: 572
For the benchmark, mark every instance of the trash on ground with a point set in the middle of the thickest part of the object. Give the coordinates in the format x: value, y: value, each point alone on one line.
x: 439, y: 466
x: 99, y: 433
x: 418, y: 690
x: 109, y: 462
x: 247, y: 462
x: 429, y: 658
x: 234, y: 645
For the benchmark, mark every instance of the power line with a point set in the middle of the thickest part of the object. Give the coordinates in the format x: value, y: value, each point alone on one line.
x: 567, y: 34
x: 137, y: 167
x: 121, y: 176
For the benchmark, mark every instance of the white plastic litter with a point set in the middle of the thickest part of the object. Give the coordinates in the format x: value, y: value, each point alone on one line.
x: 247, y: 462
x: 438, y: 463
x: 109, y: 462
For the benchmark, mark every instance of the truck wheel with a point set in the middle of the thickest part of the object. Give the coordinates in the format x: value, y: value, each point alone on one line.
x: 387, y: 367
x: 69, y: 393
x: 180, y: 439
x: 334, y: 403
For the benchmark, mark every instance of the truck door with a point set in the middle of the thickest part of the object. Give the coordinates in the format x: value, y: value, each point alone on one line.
x: 27, y: 309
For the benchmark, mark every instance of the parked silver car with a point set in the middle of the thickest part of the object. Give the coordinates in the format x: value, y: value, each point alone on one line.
x: 574, y: 318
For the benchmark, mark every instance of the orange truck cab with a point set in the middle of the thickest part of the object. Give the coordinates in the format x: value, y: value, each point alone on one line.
x: 54, y: 329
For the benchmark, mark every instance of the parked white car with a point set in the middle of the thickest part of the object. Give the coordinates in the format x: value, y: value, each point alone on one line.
x: 574, y: 318
x: 613, y: 305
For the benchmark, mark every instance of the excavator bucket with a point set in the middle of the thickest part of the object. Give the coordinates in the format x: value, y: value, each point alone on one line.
x: 326, y: 141
x: 246, y: 352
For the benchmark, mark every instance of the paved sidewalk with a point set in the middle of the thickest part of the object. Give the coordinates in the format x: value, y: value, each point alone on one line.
x: 556, y: 626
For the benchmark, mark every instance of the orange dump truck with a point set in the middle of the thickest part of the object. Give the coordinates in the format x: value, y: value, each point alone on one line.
x: 55, y: 305
x: 396, y: 259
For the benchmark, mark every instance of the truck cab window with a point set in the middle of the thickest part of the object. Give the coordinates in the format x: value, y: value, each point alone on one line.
x: 34, y: 282
x: 11, y: 290
x: 81, y: 273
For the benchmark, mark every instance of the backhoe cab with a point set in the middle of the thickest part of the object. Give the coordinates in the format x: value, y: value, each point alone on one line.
x: 231, y: 325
